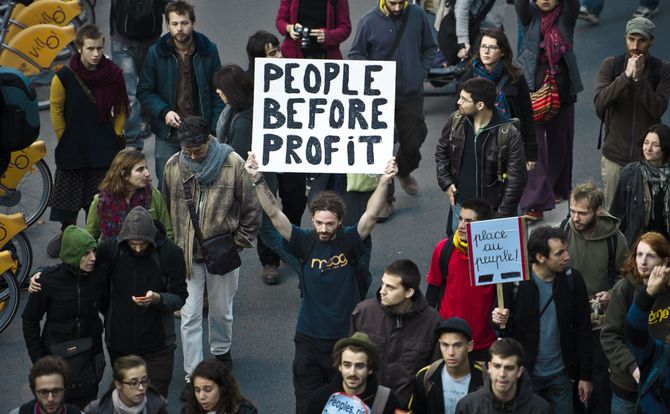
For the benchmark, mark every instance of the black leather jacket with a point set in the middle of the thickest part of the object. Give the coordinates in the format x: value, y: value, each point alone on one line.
x: 504, y: 196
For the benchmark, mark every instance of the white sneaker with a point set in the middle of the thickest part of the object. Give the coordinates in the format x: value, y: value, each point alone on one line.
x: 646, y: 12
x: 585, y: 15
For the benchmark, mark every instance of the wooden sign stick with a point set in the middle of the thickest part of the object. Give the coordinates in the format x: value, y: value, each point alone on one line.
x: 501, y: 301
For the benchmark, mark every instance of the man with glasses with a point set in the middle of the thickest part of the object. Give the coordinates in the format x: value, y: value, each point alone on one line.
x: 131, y: 392
x: 48, y: 379
x: 225, y: 203
x: 480, y: 154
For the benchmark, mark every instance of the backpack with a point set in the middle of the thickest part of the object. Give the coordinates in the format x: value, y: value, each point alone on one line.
x: 612, y: 273
x: 445, y: 256
x: 137, y: 19
x: 655, y: 379
x: 428, y: 382
x: 359, y: 264
x: 19, y: 111
x: 503, y: 140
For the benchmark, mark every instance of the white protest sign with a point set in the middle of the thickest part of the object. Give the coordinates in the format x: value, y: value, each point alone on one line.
x: 497, y: 251
x: 323, y: 116
x: 341, y: 403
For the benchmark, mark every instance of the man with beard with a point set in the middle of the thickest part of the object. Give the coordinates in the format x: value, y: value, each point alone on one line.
x: 354, y: 388
x: 549, y: 316
x: 176, y: 81
x: 331, y: 257
x: 48, y: 380
x: 632, y: 94
x: 470, y: 156
x: 597, y: 249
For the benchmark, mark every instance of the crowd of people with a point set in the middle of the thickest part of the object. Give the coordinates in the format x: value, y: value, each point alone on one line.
x: 587, y: 332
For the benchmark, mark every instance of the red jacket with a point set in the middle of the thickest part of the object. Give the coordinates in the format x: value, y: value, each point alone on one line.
x: 338, y: 27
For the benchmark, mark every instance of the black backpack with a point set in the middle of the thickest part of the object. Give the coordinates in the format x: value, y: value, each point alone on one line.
x: 137, y: 19
x: 359, y: 263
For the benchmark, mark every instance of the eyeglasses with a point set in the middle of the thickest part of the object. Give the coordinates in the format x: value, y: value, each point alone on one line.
x: 195, y: 152
x: 135, y: 384
x: 462, y: 99
x: 45, y: 393
x: 489, y: 48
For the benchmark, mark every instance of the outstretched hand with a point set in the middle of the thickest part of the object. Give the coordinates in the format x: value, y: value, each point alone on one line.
x: 390, y: 171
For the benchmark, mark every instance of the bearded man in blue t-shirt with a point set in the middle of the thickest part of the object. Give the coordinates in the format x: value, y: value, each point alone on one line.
x: 328, y: 281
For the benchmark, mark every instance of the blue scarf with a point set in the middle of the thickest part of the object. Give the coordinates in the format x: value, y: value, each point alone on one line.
x: 208, y: 170
x: 479, y: 70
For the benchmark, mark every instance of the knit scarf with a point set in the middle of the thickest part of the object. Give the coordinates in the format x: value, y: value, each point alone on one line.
x: 207, y: 171
x: 552, y: 40
x: 479, y: 70
x: 112, y: 209
x: 658, y: 179
x: 121, y: 408
x: 107, y: 83
x: 460, y: 245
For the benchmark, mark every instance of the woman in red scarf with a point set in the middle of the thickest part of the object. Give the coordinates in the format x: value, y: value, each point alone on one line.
x: 548, y: 49
x: 89, y: 104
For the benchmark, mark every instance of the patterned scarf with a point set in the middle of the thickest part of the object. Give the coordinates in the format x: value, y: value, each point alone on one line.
x: 479, y: 70
x: 107, y: 83
x: 658, y: 179
x: 461, y: 246
x: 207, y: 171
x: 552, y: 40
x: 112, y: 209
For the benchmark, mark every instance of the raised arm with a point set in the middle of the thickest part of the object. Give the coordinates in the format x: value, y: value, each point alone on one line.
x: 376, y: 201
x: 267, y: 200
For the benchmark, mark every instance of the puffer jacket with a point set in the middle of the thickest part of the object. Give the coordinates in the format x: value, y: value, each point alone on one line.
x: 156, y: 404
x: 230, y: 206
x: 483, y: 401
x: 529, y: 55
x: 503, y: 196
x: 631, y: 203
x: 338, y: 27
x: 406, y: 341
x: 157, y: 87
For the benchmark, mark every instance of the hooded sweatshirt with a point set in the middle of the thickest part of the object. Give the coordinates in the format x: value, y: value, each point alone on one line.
x: 589, y: 253
x: 484, y: 402
x: 406, y: 341
x: 74, y: 244
x: 130, y: 328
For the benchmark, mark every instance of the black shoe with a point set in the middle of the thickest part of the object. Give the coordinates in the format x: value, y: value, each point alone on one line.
x: 227, y: 360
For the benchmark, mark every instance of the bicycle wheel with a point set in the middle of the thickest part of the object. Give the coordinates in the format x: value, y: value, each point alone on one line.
x: 9, y: 299
x: 22, y: 253
x: 31, y: 195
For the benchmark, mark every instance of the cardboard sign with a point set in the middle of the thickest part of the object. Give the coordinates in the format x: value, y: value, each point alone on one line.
x: 323, y: 116
x: 497, y: 251
x: 341, y: 403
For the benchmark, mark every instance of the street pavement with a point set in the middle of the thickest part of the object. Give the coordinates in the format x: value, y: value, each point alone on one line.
x: 265, y: 315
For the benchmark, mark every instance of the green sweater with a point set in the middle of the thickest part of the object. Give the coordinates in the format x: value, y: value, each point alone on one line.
x: 157, y: 209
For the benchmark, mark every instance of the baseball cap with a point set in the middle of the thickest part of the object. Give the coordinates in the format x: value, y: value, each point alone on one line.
x: 641, y: 26
x: 454, y: 325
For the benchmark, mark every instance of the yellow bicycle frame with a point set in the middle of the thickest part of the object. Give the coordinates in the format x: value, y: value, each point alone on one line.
x: 10, y: 226
x: 58, y: 12
x: 39, y: 46
x: 21, y: 163
x: 7, y: 262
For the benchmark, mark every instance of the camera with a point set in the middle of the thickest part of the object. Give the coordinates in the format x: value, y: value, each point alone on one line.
x: 306, y: 41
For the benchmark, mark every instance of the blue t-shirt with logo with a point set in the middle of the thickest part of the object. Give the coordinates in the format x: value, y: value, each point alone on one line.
x: 329, y: 286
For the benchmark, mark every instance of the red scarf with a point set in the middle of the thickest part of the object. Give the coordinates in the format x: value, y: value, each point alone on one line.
x: 553, y: 43
x: 112, y: 209
x: 107, y: 83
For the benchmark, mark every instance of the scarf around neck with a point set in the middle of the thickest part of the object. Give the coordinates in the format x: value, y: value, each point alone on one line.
x: 112, y: 209
x: 479, y: 70
x: 208, y: 170
x: 107, y: 83
x: 553, y: 43
x: 121, y: 408
x: 460, y: 245
x: 658, y: 179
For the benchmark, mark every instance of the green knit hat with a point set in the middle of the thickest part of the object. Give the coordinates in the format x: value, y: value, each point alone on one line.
x: 75, y: 243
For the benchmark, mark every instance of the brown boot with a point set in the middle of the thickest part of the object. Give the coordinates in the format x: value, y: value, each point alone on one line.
x: 270, y: 274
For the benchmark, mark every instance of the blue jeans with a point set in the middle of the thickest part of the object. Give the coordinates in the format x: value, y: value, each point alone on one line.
x: 621, y: 406
x: 652, y: 4
x: 164, y: 150
x: 557, y: 390
x: 130, y: 60
x: 593, y: 6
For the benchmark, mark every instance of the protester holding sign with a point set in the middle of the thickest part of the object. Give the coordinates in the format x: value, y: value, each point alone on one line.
x: 334, y: 274
x: 354, y: 389
x: 413, y: 48
x: 649, y: 251
x: 549, y: 316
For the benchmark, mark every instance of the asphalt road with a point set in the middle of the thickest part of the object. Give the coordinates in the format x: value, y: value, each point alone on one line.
x: 265, y: 316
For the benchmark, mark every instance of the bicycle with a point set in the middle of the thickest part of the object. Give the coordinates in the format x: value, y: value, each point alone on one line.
x: 33, y: 49
x: 9, y: 291
x: 26, y: 185
x: 13, y: 240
